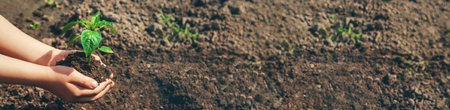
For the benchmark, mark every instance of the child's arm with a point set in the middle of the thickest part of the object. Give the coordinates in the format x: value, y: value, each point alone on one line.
x: 65, y: 82
x: 17, y: 44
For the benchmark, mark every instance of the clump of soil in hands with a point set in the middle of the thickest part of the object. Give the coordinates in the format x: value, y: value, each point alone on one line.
x: 80, y: 62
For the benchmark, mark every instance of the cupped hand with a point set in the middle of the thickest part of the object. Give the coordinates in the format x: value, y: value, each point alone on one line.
x: 60, y: 55
x: 72, y: 86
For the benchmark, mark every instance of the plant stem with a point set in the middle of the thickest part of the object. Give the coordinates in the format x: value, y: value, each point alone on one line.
x: 89, y: 61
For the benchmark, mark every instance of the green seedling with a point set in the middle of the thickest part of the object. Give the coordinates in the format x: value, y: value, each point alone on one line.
x: 410, y: 71
x: 323, y: 32
x: 173, y: 29
x: 416, y: 67
x: 287, y: 46
x: 189, y: 35
x: 91, y: 37
x: 334, y: 16
x: 52, y: 3
x: 341, y: 32
x: 166, y: 20
x: 352, y: 35
x: 246, y: 71
x: 258, y: 64
x: 446, y: 32
x: 34, y: 26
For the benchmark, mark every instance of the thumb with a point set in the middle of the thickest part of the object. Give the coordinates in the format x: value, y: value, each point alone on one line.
x: 83, y: 81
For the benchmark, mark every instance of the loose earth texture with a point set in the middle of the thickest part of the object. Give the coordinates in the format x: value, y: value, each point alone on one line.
x: 254, y: 54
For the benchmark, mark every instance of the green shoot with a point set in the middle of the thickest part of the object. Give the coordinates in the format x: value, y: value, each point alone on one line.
x: 91, y: 37
x: 35, y: 25
x: 446, y: 32
x: 334, y: 16
x: 341, y: 32
x: 257, y: 64
x: 416, y: 67
x: 323, y: 32
x: 287, y: 47
x: 246, y: 71
x: 410, y: 71
x: 52, y: 3
x: 173, y: 29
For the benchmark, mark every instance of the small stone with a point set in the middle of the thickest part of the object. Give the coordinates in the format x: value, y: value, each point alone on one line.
x: 330, y: 43
x: 348, y: 20
x: 418, y: 91
x: 237, y: 9
x: 444, y: 80
x: 185, y: 20
x: 317, y: 27
x: 411, y: 101
x: 319, y: 86
x: 114, y: 17
x: 165, y: 42
x: 154, y: 27
x: 260, y: 98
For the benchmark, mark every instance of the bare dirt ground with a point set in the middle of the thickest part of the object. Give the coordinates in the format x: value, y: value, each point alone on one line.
x: 241, y: 60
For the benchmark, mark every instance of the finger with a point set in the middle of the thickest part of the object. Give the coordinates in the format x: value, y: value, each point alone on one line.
x: 68, y: 52
x: 97, y: 58
x: 75, y: 51
x: 93, y: 98
x: 113, y: 83
x: 61, y: 56
x: 111, y: 76
x: 100, y: 88
x: 83, y: 81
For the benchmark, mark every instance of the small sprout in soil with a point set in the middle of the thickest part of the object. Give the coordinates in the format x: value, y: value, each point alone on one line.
x: 333, y: 16
x: 52, y: 3
x: 287, y: 46
x: 172, y: 29
x: 416, y: 67
x: 446, y: 32
x: 341, y: 32
x: 246, y: 71
x: 258, y: 64
x: 91, y: 37
x: 34, y: 25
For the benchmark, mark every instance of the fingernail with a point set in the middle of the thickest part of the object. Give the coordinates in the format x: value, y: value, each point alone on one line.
x: 94, y: 84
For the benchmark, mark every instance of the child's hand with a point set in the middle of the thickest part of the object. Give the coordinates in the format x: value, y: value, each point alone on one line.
x: 72, y: 86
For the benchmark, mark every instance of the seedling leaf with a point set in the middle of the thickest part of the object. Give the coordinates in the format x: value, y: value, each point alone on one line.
x: 446, y: 32
x: 95, y: 19
x: 90, y: 41
x: 104, y: 23
x: 34, y: 26
x: 70, y: 25
x: 108, y: 24
x: 111, y: 28
x: 72, y: 40
x: 85, y: 23
x: 105, y: 49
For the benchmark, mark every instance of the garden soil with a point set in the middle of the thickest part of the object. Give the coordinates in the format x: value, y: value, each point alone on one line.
x: 243, y: 57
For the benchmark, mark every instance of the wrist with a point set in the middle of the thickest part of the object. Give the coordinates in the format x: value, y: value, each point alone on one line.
x: 53, y: 75
x: 47, y: 58
x: 45, y: 77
